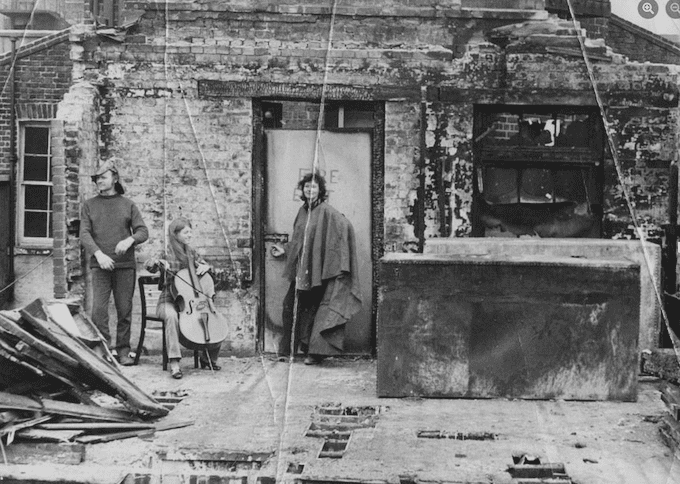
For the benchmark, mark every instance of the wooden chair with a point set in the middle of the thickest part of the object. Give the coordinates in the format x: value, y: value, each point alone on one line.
x: 148, y: 297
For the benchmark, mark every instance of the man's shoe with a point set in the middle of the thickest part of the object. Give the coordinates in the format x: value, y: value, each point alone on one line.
x: 126, y: 360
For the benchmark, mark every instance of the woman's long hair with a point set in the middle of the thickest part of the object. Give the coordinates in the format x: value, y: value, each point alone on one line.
x: 177, y: 250
x: 320, y: 180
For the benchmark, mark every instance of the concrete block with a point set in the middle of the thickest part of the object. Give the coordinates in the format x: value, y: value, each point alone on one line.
x: 538, y: 327
x: 646, y: 254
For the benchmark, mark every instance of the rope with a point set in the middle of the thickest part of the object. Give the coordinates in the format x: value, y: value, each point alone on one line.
x: 619, y: 171
x: 24, y: 276
x: 21, y: 43
x: 280, y: 467
x: 167, y: 65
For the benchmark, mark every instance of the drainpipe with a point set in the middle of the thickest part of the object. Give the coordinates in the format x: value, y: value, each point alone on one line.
x: 13, y: 160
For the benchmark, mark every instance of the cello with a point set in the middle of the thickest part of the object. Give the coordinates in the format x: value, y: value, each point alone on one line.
x: 201, y: 327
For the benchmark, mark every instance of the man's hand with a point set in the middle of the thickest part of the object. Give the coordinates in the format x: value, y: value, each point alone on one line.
x: 123, y: 246
x: 104, y: 261
x: 202, y: 269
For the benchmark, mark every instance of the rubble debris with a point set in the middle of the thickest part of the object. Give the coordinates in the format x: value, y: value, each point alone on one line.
x: 661, y: 362
x: 45, y: 452
x: 669, y: 427
x: 59, y: 382
x: 530, y: 469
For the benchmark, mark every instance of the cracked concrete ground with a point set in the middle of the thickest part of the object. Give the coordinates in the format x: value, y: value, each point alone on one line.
x: 262, y: 408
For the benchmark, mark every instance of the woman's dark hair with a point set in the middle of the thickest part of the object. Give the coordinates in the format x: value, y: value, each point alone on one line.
x: 320, y: 180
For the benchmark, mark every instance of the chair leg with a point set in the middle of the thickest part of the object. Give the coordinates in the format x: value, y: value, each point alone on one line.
x: 195, y: 358
x: 165, y: 350
x: 140, y: 345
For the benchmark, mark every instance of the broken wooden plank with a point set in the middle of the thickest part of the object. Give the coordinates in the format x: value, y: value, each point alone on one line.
x: 45, y: 453
x: 97, y: 439
x: 11, y: 429
x: 100, y: 438
x: 37, y: 316
x: 72, y: 318
x: 48, y: 435
x: 670, y: 395
x: 669, y: 428
x: 96, y: 426
x: 4, y: 354
x: 9, y: 401
x: 173, y: 425
x: 36, y: 343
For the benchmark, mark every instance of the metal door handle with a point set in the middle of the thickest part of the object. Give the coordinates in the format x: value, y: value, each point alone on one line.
x: 277, y: 238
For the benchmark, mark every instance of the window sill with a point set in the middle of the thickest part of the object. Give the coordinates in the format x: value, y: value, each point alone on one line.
x: 32, y: 251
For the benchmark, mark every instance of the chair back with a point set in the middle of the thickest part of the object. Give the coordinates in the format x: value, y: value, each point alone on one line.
x: 148, y: 296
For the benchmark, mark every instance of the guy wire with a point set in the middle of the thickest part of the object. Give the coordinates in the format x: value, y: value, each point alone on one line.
x: 619, y: 171
x: 280, y: 467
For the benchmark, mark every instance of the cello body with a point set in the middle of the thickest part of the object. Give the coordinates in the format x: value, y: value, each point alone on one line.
x: 200, y: 325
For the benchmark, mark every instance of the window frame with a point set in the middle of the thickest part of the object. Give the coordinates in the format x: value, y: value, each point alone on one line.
x: 590, y: 158
x: 22, y: 240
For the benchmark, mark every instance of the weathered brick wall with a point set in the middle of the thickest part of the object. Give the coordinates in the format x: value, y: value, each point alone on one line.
x: 402, y: 161
x: 639, y: 44
x: 448, y: 170
x: 43, y: 75
x: 191, y: 158
x: 187, y: 152
x: 75, y: 146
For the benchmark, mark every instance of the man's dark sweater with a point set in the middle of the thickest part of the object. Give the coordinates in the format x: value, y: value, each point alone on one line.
x: 106, y: 221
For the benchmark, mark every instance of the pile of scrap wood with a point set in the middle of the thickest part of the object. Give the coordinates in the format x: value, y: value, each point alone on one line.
x: 670, y: 424
x: 59, y: 382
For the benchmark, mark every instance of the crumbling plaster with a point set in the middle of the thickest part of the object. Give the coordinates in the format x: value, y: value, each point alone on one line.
x: 180, y: 149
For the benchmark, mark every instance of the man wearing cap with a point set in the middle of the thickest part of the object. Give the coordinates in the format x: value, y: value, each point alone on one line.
x: 111, y: 226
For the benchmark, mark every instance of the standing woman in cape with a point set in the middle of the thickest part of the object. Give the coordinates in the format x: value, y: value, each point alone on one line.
x: 179, y: 256
x: 322, y: 269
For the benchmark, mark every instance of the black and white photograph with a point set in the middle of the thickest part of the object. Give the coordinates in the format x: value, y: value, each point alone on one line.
x: 339, y: 241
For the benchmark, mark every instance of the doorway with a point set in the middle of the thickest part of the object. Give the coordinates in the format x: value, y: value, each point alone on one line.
x: 347, y: 159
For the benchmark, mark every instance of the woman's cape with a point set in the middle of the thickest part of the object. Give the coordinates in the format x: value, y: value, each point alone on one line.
x: 329, y: 257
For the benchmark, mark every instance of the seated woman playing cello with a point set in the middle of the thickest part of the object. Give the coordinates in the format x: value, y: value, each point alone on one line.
x: 180, y: 256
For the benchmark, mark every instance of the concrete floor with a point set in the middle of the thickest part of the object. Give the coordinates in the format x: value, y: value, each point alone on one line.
x: 261, y: 407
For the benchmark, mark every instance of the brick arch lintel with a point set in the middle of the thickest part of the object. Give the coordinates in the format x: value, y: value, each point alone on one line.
x: 29, y: 111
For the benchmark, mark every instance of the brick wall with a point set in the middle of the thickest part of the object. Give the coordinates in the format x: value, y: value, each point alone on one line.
x: 188, y: 151
x: 75, y: 141
x: 402, y: 161
x: 43, y: 75
x: 448, y: 170
x: 639, y: 44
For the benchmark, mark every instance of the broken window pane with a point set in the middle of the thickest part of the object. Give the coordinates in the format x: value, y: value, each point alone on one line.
x: 537, y: 171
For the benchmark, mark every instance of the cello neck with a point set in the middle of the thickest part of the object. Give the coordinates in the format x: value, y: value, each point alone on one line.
x: 195, y: 283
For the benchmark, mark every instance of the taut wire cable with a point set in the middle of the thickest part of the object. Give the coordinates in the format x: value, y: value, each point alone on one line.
x: 619, y: 171
x: 280, y: 467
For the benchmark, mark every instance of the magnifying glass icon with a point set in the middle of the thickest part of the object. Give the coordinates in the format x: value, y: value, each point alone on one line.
x: 673, y: 9
x: 649, y: 8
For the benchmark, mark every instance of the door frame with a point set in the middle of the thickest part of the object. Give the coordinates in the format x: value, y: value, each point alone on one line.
x: 6, y: 250
x: 259, y: 184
